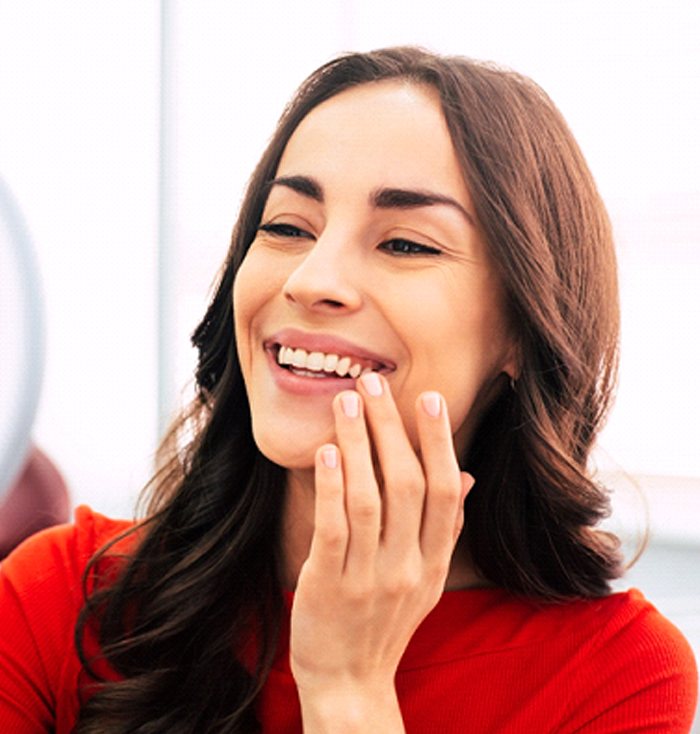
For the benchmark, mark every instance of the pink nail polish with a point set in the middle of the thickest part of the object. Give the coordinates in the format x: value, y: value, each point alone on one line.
x: 431, y: 404
x: 351, y: 404
x: 372, y: 383
x: 330, y: 457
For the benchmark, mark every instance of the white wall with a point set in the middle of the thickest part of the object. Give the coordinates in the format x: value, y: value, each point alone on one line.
x: 78, y: 146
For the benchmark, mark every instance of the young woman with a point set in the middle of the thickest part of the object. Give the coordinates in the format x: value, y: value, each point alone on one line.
x: 419, y: 306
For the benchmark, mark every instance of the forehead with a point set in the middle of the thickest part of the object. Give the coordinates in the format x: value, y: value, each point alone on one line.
x: 388, y: 133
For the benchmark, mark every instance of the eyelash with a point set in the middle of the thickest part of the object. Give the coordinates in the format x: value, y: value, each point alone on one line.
x: 408, y: 248
x: 283, y: 230
x: 397, y: 246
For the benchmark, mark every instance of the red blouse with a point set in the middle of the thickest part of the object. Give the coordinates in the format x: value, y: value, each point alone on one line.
x: 482, y: 661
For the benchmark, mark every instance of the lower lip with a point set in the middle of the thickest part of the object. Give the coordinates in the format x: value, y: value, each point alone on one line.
x: 298, y: 385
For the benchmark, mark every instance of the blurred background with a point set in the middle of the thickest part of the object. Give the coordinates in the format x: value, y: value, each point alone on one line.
x: 128, y: 131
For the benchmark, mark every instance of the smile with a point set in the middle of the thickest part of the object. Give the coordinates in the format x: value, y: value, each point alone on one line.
x: 315, y: 364
x: 320, y: 364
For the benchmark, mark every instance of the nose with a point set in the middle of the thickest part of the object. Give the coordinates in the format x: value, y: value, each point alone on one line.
x: 327, y: 279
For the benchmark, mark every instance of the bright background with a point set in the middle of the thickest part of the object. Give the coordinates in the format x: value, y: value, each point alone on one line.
x: 128, y: 130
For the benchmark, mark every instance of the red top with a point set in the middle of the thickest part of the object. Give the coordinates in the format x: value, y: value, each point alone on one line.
x: 482, y: 661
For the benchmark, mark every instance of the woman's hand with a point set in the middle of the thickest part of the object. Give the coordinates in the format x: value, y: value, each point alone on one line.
x: 379, y: 557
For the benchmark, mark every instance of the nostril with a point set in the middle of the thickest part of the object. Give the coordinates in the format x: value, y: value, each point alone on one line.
x: 329, y: 302
x: 316, y: 293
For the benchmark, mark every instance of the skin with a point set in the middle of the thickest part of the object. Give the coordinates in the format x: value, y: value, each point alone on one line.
x: 374, y: 500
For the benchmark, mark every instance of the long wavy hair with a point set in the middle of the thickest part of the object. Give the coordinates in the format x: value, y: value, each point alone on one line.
x: 179, y: 633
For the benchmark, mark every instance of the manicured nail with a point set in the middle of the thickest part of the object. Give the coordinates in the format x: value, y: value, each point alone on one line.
x: 372, y: 383
x: 330, y: 457
x: 351, y: 404
x: 431, y: 404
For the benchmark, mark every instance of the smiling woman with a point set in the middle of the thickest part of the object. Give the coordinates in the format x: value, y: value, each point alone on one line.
x: 401, y: 375
x: 353, y: 246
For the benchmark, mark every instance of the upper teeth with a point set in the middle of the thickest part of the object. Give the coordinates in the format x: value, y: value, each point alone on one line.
x: 319, y: 362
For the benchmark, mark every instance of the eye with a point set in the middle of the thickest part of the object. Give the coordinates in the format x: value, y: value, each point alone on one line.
x: 281, y: 229
x: 407, y: 247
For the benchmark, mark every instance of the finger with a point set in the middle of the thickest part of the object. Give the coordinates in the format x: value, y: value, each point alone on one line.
x: 401, y: 471
x: 330, y: 537
x: 467, y: 483
x: 362, y: 501
x: 443, y: 478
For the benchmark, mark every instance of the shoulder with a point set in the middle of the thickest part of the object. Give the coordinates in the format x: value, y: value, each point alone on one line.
x: 633, y: 664
x: 626, y: 629
x: 493, y: 619
x: 581, y: 665
x: 41, y: 594
x: 45, y: 572
x: 62, y: 551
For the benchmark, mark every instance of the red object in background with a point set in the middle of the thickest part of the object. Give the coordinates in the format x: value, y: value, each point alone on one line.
x: 38, y: 499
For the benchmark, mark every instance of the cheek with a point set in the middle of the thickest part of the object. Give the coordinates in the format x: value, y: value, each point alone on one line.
x: 242, y: 287
x: 462, y: 358
x: 250, y: 292
x: 240, y: 325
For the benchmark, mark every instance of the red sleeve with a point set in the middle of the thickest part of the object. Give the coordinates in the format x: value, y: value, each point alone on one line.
x: 642, y: 679
x: 40, y: 596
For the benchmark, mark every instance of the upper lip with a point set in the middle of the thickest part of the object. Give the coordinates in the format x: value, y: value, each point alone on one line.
x: 327, y: 343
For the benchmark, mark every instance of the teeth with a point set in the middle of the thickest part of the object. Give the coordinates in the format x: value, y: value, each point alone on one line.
x: 330, y: 362
x: 284, y: 355
x: 343, y: 366
x: 316, y: 362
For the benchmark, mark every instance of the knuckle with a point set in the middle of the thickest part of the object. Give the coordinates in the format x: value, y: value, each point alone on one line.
x: 333, y: 538
x: 364, y: 510
x: 403, y: 582
x: 439, y: 569
x: 445, y: 493
x: 413, y: 485
x: 359, y: 592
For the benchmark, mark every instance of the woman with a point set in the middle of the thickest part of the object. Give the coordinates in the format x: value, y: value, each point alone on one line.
x: 420, y: 296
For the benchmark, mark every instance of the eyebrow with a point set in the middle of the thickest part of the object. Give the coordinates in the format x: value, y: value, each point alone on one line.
x: 304, y: 185
x: 381, y: 198
x: 393, y: 198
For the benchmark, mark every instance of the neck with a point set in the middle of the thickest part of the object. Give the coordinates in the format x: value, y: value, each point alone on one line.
x: 297, y: 524
x: 298, y: 527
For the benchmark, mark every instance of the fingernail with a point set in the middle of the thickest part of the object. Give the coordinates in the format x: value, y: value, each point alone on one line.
x: 431, y: 404
x: 372, y: 383
x: 330, y: 457
x: 351, y: 404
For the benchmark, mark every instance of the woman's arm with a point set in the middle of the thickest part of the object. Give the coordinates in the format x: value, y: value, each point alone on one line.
x: 380, y: 554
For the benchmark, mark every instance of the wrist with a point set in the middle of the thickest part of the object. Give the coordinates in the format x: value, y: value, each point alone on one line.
x: 350, y: 708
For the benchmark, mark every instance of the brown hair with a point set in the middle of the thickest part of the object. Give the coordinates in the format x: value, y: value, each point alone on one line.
x: 203, y: 580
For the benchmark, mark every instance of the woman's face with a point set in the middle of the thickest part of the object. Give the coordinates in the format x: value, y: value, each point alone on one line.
x: 368, y: 256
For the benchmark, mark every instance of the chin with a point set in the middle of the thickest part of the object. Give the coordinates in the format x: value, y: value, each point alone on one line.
x: 292, y: 449
x: 286, y: 459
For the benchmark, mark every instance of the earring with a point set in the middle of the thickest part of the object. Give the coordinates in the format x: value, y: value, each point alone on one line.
x: 513, y: 384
